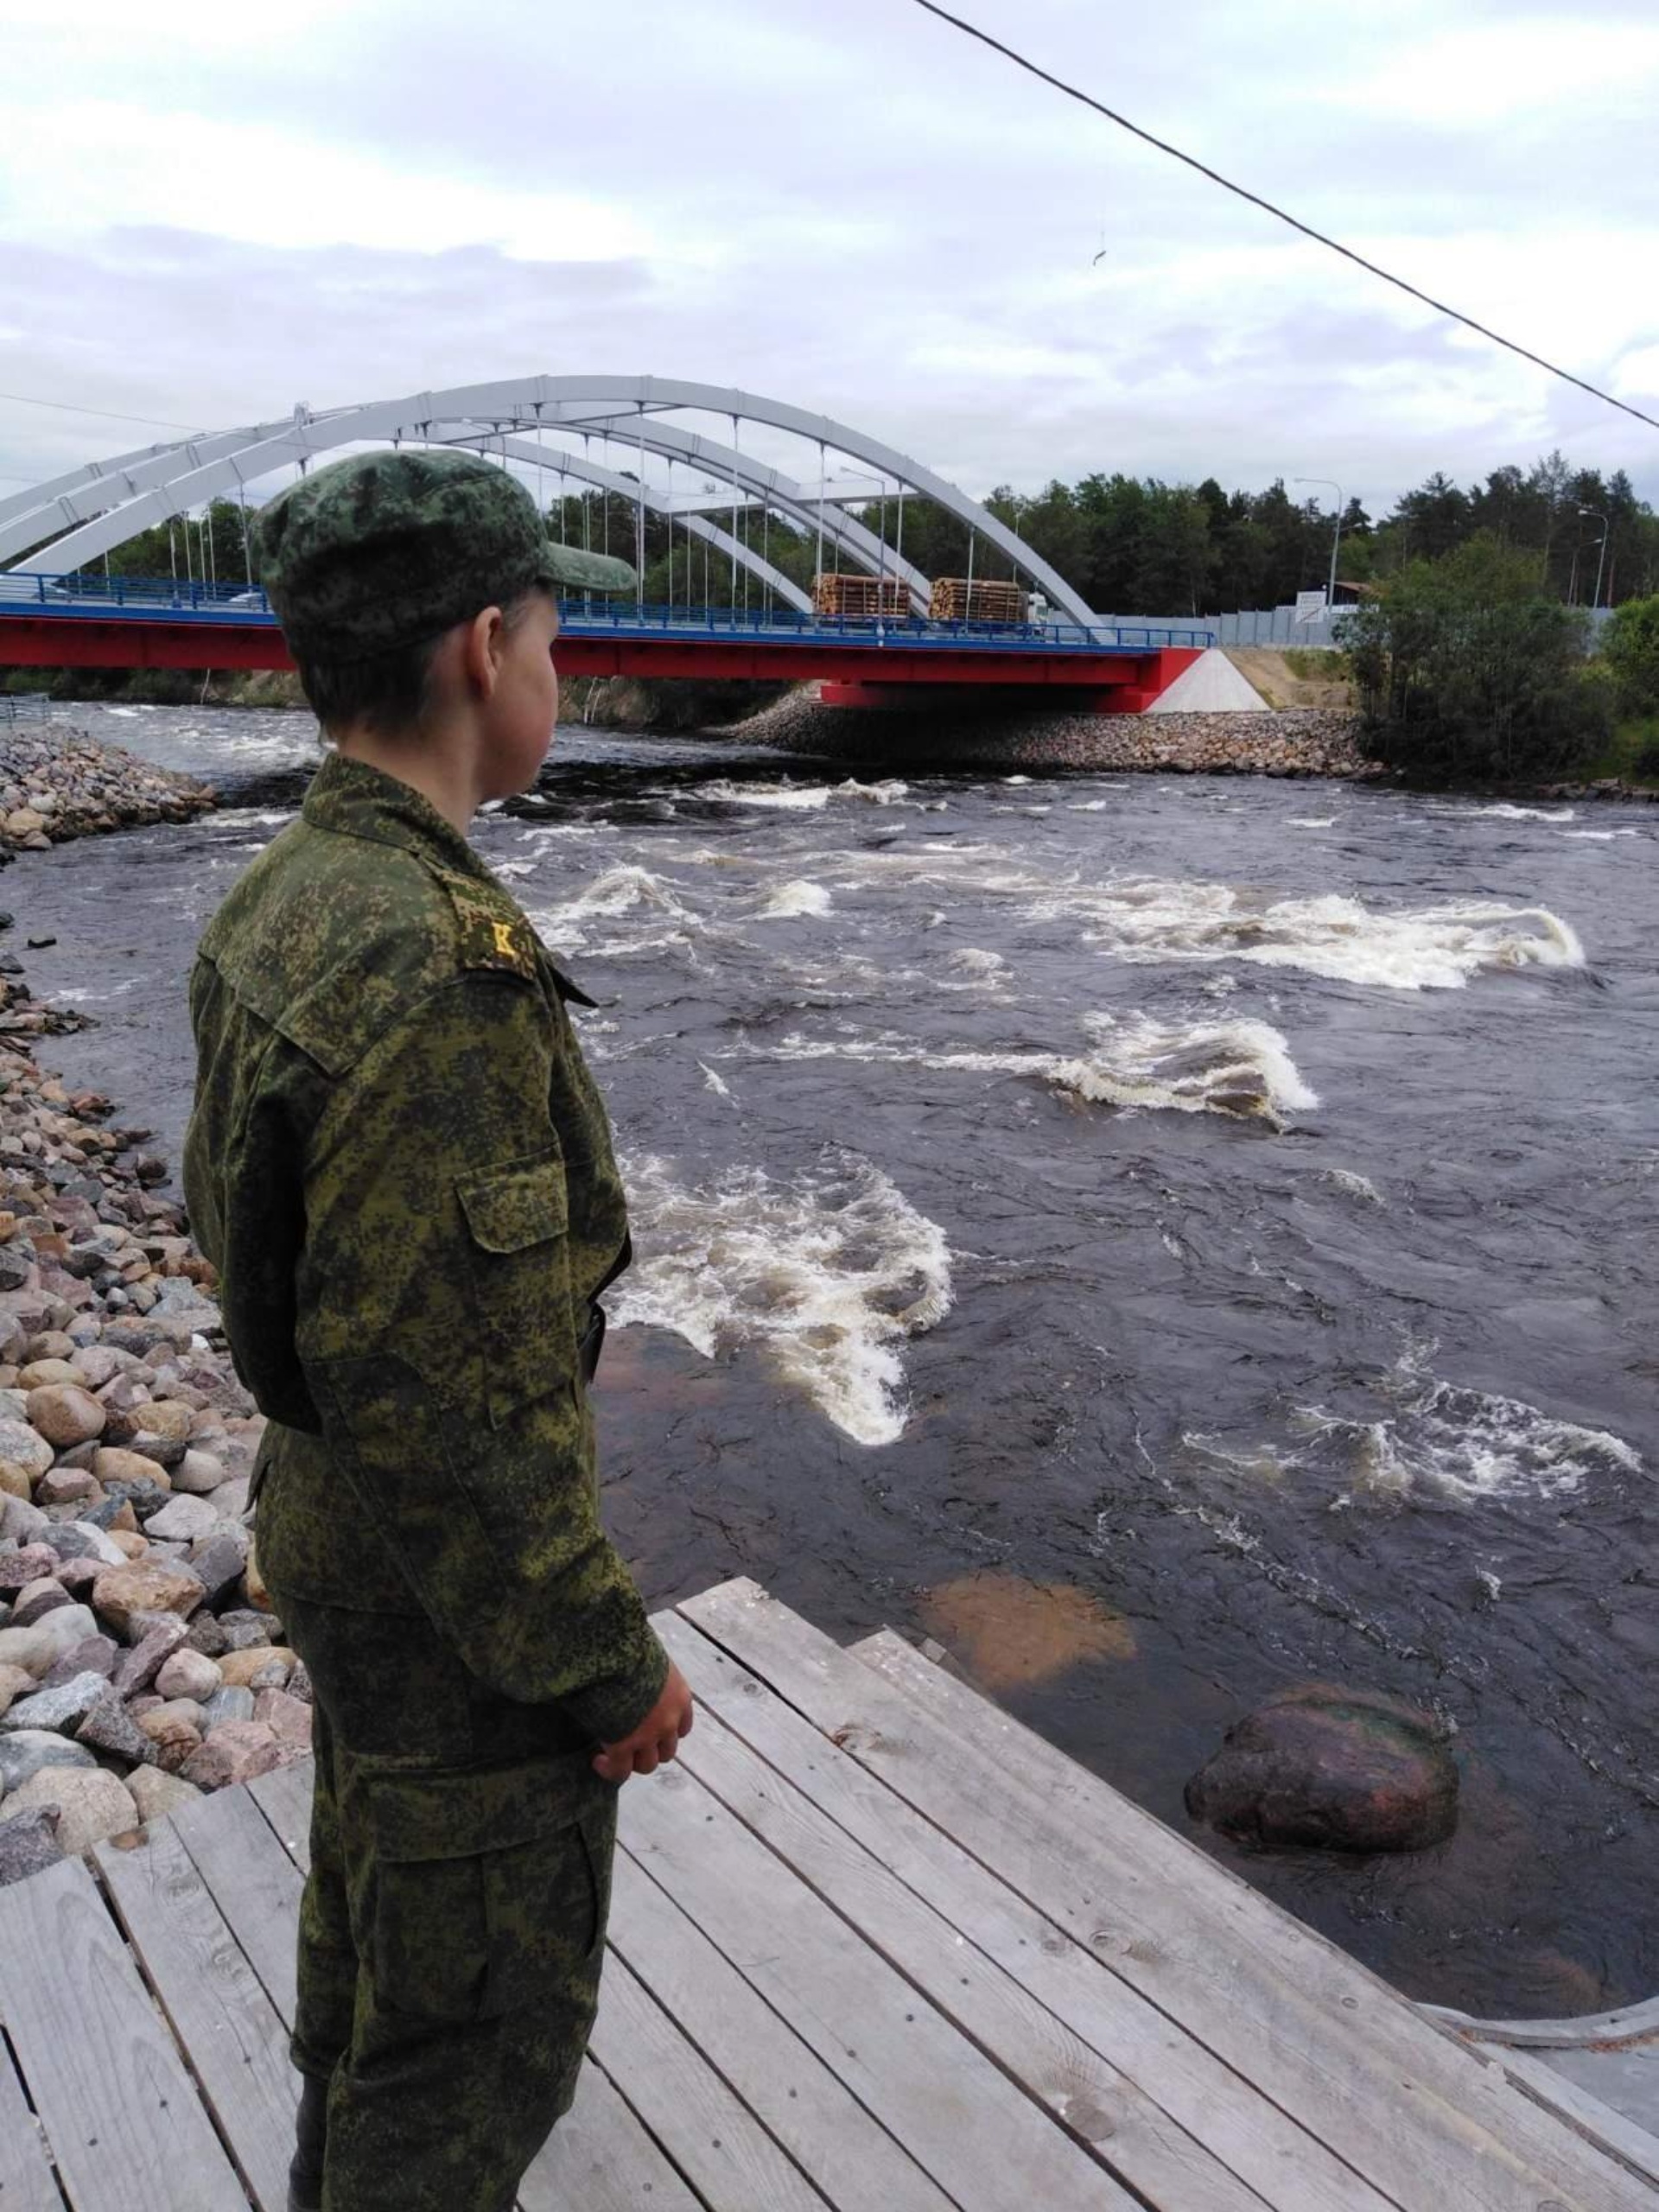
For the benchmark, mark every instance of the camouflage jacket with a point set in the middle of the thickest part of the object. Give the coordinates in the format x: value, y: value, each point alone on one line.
x: 400, y: 1165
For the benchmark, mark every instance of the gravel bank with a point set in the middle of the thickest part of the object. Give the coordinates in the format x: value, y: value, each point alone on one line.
x: 57, y: 783
x: 1295, y: 742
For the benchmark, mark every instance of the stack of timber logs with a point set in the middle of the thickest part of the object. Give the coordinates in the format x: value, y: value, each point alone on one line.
x: 957, y: 600
x: 861, y: 596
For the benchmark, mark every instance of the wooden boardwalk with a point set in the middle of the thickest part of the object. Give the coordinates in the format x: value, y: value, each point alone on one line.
x: 873, y: 1947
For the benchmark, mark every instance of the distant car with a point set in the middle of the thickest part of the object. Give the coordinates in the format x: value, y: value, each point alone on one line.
x: 254, y: 598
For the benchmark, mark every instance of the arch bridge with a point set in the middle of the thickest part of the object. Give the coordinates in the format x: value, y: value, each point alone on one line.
x: 622, y: 436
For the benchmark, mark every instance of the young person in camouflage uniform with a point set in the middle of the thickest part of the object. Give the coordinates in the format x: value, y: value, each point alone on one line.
x: 402, y: 1169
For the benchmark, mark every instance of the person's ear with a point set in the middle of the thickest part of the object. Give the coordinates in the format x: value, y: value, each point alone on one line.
x: 481, y: 650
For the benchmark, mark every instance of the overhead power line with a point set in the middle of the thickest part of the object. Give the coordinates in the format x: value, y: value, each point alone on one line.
x: 1074, y: 93
x: 63, y: 407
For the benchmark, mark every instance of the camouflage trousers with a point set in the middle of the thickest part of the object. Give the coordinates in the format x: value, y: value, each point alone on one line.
x: 452, y: 1923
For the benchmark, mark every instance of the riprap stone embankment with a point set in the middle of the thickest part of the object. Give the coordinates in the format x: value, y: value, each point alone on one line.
x: 139, y: 1660
x: 1319, y: 741
x: 57, y: 783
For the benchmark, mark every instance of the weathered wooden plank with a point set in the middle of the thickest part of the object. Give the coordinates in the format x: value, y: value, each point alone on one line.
x: 983, y: 2141
x: 119, y: 2107
x: 25, y: 2180
x: 850, y: 2155
x: 1400, y: 2043
x: 1426, y: 2123
x: 599, y: 2158
x: 252, y: 1881
x: 284, y: 1797
x: 1122, y: 2061
x: 213, y: 2000
x: 712, y: 2137
x: 1583, y: 2109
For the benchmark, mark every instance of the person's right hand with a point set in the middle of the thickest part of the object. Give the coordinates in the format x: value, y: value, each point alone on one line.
x: 656, y: 1739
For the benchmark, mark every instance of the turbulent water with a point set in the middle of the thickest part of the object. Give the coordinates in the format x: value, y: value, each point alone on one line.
x: 1170, y: 1239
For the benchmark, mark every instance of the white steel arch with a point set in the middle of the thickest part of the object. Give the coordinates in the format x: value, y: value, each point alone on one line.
x: 767, y: 487
x: 556, y: 462
x: 107, y: 503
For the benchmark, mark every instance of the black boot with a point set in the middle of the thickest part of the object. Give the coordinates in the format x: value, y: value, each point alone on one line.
x: 310, y: 2134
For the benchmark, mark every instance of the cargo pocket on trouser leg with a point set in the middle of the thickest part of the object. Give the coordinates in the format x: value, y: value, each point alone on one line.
x: 489, y: 1892
x: 549, y: 1902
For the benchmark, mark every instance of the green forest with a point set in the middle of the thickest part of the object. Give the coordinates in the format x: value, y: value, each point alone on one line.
x: 1129, y: 545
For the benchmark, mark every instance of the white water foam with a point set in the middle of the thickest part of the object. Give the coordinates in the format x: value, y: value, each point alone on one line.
x: 1437, y: 948
x: 1599, y: 837
x: 791, y: 900
x: 1312, y: 822
x: 803, y: 798
x: 1352, y: 1185
x: 1467, y: 1445
x: 1506, y: 810
x: 1241, y: 1068
x: 888, y: 793
x: 621, y: 893
x: 973, y: 966
x: 827, y: 1273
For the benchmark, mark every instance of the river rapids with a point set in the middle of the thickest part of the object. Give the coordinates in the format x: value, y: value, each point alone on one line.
x: 1169, y: 1238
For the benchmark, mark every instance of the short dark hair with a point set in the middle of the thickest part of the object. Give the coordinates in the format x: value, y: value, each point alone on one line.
x: 385, y: 692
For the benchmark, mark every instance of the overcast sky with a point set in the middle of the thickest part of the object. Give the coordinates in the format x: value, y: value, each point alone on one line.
x: 208, y: 211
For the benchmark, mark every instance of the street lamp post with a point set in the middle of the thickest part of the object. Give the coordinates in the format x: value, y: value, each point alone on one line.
x: 1335, y: 539
x: 1601, y: 558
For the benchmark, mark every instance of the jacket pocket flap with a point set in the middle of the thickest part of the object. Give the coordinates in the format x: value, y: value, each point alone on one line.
x: 460, y: 1812
x: 512, y: 1207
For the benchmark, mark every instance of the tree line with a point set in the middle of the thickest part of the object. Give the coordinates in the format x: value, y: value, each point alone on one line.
x: 1467, y: 666
x: 1128, y: 544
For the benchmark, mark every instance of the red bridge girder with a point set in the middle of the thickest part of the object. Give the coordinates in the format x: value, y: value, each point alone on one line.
x: 852, y: 675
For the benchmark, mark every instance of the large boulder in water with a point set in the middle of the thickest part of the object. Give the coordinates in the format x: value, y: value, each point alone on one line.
x: 1330, y: 1770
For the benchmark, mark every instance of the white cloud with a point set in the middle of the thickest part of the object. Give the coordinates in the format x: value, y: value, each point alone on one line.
x: 859, y: 212
x: 1469, y: 78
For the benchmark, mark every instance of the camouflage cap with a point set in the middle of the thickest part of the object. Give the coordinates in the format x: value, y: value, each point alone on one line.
x: 383, y: 549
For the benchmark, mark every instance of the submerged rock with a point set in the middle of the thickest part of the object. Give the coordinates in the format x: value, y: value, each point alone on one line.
x: 1330, y: 1770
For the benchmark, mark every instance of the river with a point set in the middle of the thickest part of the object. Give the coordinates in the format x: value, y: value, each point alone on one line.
x: 1169, y: 1238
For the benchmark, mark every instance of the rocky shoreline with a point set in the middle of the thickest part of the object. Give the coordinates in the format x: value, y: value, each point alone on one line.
x: 57, y: 783
x: 1292, y: 741
x: 140, y: 1663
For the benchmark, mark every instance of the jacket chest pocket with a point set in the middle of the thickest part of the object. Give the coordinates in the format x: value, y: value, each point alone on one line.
x: 519, y: 1250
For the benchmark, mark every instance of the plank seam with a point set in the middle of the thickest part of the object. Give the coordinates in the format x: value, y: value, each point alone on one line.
x: 921, y: 1812
x: 11, y: 2056
x: 1465, y: 2114
x: 1480, y: 2139
x: 719, y: 2074
x: 992, y: 1966
x: 153, y: 1989
x: 786, y: 2025
x: 646, y: 2130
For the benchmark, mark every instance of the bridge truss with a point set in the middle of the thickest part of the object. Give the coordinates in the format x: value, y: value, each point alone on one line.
x: 546, y: 427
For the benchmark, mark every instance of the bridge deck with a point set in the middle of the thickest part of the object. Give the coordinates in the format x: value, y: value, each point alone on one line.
x: 124, y: 622
x: 873, y: 1947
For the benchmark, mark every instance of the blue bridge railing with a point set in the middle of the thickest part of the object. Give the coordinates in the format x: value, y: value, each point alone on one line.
x: 190, y: 600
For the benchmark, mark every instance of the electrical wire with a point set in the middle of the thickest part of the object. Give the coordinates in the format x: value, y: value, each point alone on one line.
x: 63, y: 407
x: 1073, y: 92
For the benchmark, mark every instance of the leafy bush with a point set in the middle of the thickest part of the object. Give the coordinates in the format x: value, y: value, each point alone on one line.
x: 1466, y: 668
x: 1630, y: 645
